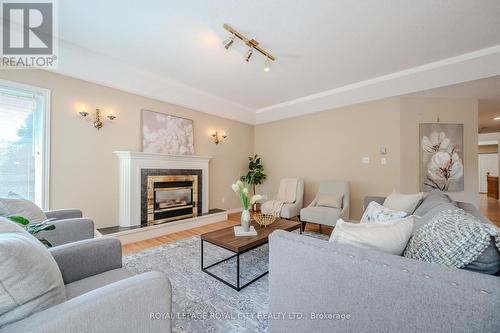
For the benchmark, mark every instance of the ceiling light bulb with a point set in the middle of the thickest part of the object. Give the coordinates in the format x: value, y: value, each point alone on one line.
x: 228, y: 42
x: 249, y: 54
x: 267, y: 65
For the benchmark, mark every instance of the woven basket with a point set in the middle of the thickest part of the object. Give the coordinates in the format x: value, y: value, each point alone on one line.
x: 263, y: 219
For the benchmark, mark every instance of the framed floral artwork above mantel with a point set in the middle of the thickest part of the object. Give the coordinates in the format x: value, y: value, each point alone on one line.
x: 166, y: 134
x: 441, y: 157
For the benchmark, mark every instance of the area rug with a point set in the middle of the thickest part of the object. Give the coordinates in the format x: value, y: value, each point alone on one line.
x: 201, y: 303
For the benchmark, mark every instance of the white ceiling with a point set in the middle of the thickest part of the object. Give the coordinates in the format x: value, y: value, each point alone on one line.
x: 329, y: 53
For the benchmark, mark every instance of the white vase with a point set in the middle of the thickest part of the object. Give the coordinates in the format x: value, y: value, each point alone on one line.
x: 245, y: 220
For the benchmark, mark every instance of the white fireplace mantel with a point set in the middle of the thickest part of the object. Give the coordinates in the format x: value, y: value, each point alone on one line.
x: 131, y: 164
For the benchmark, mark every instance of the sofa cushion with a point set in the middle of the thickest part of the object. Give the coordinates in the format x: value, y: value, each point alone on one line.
x: 21, y: 207
x: 388, y: 237
x: 403, y: 202
x: 333, y: 201
x: 455, y: 238
x: 375, y: 213
x: 30, y: 280
x: 83, y: 286
x: 320, y: 215
x: 431, y: 200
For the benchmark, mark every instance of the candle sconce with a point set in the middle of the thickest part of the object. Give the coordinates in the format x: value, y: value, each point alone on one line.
x: 218, y: 137
x: 97, y: 123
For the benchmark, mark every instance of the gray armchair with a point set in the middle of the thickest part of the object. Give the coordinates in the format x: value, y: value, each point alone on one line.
x: 324, y: 215
x: 70, y: 227
x: 101, y: 296
x: 292, y: 209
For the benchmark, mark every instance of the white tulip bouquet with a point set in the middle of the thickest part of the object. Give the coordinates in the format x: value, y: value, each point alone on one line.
x: 241, y: 189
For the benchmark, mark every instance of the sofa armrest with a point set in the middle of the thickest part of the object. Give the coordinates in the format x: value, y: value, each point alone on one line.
x: 373, y: 291
x: 61, y: 214
x: 86, y: 258
x: 141, y: 303
x: 68, y: 231
x: 368, y: 199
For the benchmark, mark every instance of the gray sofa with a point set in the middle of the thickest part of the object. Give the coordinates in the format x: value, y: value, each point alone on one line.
x: 101, y: 296
x: 327, y: 287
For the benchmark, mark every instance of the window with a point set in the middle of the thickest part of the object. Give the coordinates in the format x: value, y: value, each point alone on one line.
x: 24, y: 142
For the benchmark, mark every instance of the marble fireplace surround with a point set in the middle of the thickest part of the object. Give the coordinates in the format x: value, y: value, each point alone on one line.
x: 131, y: 164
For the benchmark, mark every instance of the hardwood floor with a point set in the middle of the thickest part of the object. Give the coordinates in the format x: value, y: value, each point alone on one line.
x: 490, y: 208
x: 233, y: 219
x: 139, y: 246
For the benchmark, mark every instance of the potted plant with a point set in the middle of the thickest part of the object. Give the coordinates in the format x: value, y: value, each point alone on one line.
x: 255, y: 175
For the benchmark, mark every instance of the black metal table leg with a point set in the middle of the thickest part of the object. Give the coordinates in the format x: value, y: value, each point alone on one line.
x: 238, y: 271
x: 238, y: 285
x: 202, y: 255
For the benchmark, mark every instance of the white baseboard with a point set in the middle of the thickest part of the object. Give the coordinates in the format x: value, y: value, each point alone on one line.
x: 140, y: 234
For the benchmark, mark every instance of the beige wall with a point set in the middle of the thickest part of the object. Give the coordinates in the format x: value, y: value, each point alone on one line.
x: 422, y: 110
x: 84, y: 170
x: 330, y: 145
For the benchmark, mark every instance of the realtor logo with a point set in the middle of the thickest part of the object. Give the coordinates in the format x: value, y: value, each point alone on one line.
x: 28, y: 30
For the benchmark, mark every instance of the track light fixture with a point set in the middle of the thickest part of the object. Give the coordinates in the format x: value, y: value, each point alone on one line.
x: 251, y: 43
x: 228, y: 42
x: 249, y: 54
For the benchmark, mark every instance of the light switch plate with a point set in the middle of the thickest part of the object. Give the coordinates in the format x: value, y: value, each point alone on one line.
x: 383, y: 161
x: 365, y: 160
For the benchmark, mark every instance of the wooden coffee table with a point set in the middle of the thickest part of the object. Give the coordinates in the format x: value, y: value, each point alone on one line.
x: 226, y: 239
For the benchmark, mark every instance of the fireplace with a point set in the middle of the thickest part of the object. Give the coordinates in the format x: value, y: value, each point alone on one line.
x: 169, y: 195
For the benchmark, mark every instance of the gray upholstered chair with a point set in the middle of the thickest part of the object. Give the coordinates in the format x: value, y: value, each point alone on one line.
x: 70, y: 227
x: 327, y: 215
x: 291, y: 210
x: 100, y: 295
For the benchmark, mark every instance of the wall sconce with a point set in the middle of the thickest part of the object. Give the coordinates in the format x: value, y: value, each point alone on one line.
x: 97, y: 123
x: 217, y: 137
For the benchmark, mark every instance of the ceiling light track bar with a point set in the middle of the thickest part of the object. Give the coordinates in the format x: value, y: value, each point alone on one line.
x: 249, y: 42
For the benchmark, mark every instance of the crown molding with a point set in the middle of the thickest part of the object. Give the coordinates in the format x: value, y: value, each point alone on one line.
x: 87, y: 65
x: 466, y: 67
x: 81, y: 63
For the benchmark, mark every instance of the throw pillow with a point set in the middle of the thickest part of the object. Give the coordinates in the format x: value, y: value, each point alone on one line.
x: 431, y: 200
x: 333, y: 201
x: 403, y: 202
x: 21, y: 207
x: 456, y: 238
x: 30, y: 280
x: 388, y: 237
x: 375, y: 212
x: 420, y: 221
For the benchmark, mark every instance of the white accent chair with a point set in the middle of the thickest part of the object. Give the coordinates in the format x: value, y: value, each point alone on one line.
x: 327, y: 215
x: 291, y: 210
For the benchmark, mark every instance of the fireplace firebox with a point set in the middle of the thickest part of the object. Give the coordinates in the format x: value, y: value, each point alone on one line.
x: 170, y: 195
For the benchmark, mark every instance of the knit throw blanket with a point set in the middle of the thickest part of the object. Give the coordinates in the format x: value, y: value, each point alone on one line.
x: 452, y: 238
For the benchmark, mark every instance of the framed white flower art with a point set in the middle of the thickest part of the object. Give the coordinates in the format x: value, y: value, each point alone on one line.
x: 441, y: 157
x: 166, y: 134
